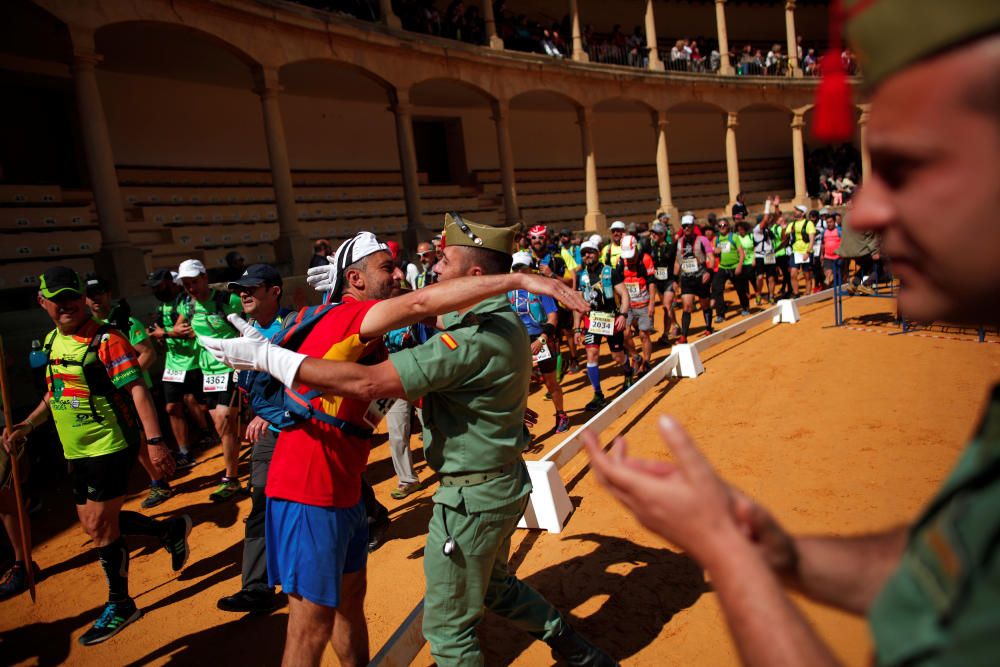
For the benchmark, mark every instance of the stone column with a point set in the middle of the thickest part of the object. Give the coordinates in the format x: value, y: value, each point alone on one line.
x: 799, y: 159
x: 663, y: 165
x: 726, y: 67
x: 403, y: 111
x: 578, y: 53
x: 732, y: 158
x: 493, y: 40
x: 292, y: 246
x: 119, y: 260
x: 389, y: 18
x: 594, y: 220
x: 866, y: 158
x: 793, y: 52
x: 654, y: 52
x: 501, y: 119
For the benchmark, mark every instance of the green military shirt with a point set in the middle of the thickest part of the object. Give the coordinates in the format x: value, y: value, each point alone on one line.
x: 474, y: 383
x: 942, y: 605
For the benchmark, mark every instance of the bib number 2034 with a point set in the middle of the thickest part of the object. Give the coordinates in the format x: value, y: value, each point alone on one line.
x: 213, y: 383
x: 602, y: 324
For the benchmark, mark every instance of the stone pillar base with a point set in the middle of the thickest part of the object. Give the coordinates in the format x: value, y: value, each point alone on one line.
x: 125, y: 266
x: 496, y: 43
x: 596, y: 222
x: 804, y: 200
x: 581, y: 57
x: 294, y: 251
x: 726, y: 70
x: 656, y: 65
x: 392, y: 21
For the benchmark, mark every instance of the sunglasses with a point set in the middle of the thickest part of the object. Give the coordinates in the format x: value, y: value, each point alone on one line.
x: 425, y: 253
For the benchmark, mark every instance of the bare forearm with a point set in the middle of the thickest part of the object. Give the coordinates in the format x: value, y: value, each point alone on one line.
x: 847, y: 572
x: 145, y: 409
x: 351, y: 380
x: 766, y: 627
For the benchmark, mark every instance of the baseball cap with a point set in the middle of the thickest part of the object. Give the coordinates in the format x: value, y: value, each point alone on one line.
x: 60, y: 280
x: 97, y: 285
x: 595, y: 239
x: 628, y: 246
x: 662, y: 215
x: 565, y: 232
x: 801, y: 208
x: 617, y: 225
x: 521, y: 258
x: 256, y: 275
x: 351, y: 251
x: 659, y: 228
x: 823, y: 212
x: 159, y: 276
x: 190, y: 268
x: 393, y: 249
x: 589, y: 245
x: 687, y: 220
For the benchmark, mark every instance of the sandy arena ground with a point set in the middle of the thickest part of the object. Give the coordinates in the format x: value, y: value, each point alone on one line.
x: 836, y: 430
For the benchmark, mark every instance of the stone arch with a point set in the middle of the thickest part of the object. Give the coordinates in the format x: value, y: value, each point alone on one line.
x: 449, y: 91
x: 328, y: 77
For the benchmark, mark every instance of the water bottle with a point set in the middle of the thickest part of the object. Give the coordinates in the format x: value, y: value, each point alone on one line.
x: 37, y: 358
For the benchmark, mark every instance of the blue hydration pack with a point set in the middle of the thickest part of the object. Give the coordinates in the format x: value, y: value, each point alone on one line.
x: 284, y: 407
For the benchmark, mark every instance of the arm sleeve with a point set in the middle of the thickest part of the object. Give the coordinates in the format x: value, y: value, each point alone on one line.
x: 119, y: 358
x: 446, y: 360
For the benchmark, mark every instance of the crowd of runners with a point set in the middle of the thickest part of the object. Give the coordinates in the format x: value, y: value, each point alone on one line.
x: 113, y: 385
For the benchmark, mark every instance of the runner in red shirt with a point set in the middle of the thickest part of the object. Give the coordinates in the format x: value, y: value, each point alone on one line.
x: 636, y: 271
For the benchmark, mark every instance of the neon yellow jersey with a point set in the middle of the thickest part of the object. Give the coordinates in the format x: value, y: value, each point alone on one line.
x: 797, y: 230
x: 74, y: 401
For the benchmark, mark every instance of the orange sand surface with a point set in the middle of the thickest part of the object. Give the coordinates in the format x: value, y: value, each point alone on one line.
x: 836, y: 430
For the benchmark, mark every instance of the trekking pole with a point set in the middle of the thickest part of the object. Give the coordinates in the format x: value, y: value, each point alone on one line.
x: 22, y: 517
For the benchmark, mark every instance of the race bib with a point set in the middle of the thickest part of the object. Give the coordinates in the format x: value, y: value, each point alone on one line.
x: 214, y: 383
x: 543, y: 354
x: 689, y: 265
x: 801, y: 257
x: 173, y: 376
x: 377, y: 410
x: 602, y: 324
x: 662, y: 273
x: 769, y: 258
x: 633, y: 290
x: 725, y: 246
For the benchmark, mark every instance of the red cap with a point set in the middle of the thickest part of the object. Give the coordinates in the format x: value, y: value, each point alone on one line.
x: 393, y: 249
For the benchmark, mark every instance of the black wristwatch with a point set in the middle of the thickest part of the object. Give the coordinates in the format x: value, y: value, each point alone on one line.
x: 158, y: 440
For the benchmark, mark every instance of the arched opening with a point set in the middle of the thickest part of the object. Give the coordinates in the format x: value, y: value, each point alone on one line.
x: 696, y: 136
x: 764, y: 147
x: 625, y: 144
x: 831, y: 161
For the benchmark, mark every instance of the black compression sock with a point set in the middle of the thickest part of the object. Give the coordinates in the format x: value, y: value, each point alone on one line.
x: 708, y: 317
x: 114, y: 560
x: 133, y: 523
x: 685, y: 323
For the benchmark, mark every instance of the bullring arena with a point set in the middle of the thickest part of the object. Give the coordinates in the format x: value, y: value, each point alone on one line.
x: 149, y: 132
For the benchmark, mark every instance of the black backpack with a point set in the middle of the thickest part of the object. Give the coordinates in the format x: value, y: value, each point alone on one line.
x: 94, y: 372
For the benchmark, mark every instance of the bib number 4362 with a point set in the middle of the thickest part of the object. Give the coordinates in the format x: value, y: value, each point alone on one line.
x: 213, y: 383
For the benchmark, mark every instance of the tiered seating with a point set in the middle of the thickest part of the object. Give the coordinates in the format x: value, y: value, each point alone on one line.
x: 202, y: 213
x: 557, y: 197
x: 40, y: 226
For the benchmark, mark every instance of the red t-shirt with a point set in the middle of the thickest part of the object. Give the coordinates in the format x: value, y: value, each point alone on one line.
x: 316, y: 463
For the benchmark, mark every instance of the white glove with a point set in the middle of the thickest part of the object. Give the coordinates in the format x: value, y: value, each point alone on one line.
x: 253, y: 352
x: 322, y: 277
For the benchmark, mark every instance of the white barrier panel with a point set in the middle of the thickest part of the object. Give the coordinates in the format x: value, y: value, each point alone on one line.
x: 788, y: 312
x: 549, y: 504
x: 814, y: 298
x: 568, y: 448
x: 734, y: 330
x: 688, y: 362
x: 401, y: 649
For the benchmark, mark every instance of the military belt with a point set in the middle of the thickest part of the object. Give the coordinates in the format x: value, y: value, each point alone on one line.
x: 474, y: 478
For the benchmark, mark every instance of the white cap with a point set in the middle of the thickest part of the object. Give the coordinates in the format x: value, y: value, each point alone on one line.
x: 589, y: 245
x: 190, y: 268
x: 596, y: 240
x: 521, y: 258
x: 350, y: 252
x: 628, y: 246
x: 617, y: 224
x: 174, y: 277
x: 801, y: 209
x: 687, y: 220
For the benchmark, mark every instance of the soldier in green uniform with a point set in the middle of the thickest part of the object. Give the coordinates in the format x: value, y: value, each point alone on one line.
x: 473, y: 378
x: 931, y: 589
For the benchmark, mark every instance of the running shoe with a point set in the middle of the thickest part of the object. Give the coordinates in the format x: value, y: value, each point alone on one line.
x: 709, y: 331
x: 562, y: 422
x: 719, y: 319
x: 404, y: 490
x: 866, y: 290
x: 744, y: 313
x: 15, y: 581
x: 175, y: 541
x: 627, y: 382
x: 116, y: 615
x: 182, y: 460
x: 596, y: 403
x: 757, y: 299
x: 574, y: 367
x: 252, y: 601
x: 682, y: 340
x: 157, y: 495
x: 229, y: 487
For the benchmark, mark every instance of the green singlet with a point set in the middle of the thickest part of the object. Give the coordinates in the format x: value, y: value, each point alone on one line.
x: 746, y: 240
x: 730, y: 254
x: 182, y: 353
x: 209, y: 320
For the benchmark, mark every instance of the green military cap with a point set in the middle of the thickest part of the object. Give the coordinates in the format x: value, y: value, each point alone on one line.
x: 889, y: 35
x: 462, y: 231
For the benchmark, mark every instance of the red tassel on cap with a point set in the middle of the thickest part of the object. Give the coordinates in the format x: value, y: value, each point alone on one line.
x: 833, y: 120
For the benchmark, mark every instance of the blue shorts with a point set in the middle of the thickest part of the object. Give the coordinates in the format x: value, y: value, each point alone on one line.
x: 310, y: 548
